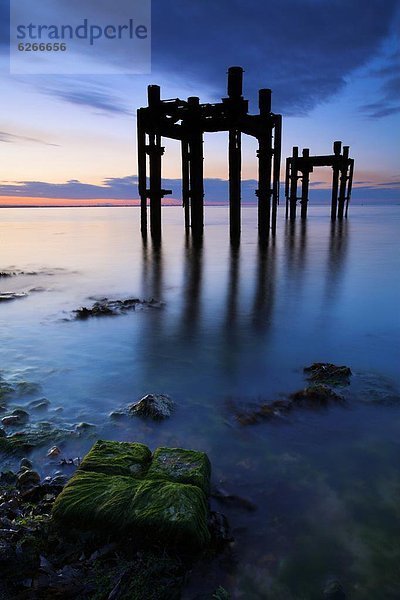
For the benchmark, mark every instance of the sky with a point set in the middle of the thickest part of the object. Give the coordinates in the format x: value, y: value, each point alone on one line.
x: 332, y: 65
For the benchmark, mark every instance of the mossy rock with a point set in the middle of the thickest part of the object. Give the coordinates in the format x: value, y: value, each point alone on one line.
x: 172, y: 512
x: 22, y: 442
x: 93, y: 500
x: 117, y: 458
x: 181, y: 466
x: 161, y: 511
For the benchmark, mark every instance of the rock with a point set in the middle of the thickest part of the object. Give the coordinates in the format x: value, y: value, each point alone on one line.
x: 28, y: 478
x: 2, y: 433
x: 59, y: 480
x: 219, y: 529
x: 159, y: 503
x: 43, y: 434
x: 27, y: 388
x: 106, y: 307
x: 117, y: 458
x: 158, y: 510
x: 25, y: 462
x: 53, y: 452
x: 6, y: 389
x: 334, y: 591
x: 234, y: 500
x: 22, y: 415
x: 182, y: 466
x: 11, y: 421
x: 83, y: 427
x: 117, y: 415
x: 275, y: 409
x: 314, y: 395
x: 39, y: 405
x: 7, y: 296
x: 328, y: 373
x: 154, y: 406
x: 97, y: 310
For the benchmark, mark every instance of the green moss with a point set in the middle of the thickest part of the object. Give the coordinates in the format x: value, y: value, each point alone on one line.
x: 172, y: 512
x: 183, y: 466
x: 95, y: 500
x: 162, y: 511
x: 24, y: 441
x: 117, y: 458
x: 111, y: 492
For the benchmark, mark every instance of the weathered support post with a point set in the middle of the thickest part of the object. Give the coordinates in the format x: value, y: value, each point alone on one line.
x: 196, y: 168
x: 185, y: 181
x: 293, y: 183
x: 337, y: 147
x: 142, y: 174
x: 155, y: 152
x: 349, y: 186
x: 235, y: 165
x: 264, y: 155
x: 287, y: 183
x: 276, y: 169
x: 235, y: 88
x: 305, y: 184
x: 343, y: 181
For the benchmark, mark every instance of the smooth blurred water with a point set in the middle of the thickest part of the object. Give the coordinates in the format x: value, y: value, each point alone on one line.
x: 238, y: 326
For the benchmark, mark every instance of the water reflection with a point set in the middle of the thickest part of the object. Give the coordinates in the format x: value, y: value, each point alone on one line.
x: 264, y: 296
x: 192, y: 287
x: 258, y: 279
x: 337, y: 255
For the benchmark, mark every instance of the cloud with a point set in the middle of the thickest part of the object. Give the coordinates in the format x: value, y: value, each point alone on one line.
x: 216, y: 190
x: 389, y: 101
x: 303, y: 49
x: 13, y: 138
x: 89, y: 97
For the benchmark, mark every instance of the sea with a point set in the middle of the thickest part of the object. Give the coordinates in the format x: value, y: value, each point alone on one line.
x: 311, y: 495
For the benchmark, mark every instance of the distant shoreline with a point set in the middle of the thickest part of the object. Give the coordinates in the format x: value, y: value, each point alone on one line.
x: 207, y: 205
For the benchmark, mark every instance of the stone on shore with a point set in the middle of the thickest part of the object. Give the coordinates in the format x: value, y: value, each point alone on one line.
x: 182, y: 466
x: 117, y: 458
x: 153, y: 406
x: 315, y: 395
x: 328, y: 373
x: 116, y: 491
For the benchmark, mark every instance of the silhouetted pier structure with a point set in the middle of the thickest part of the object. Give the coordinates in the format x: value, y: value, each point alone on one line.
x: 187, y: 121
x: 300, y: 167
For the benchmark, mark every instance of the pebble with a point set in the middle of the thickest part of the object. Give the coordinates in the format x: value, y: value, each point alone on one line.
x: 28, y: 478
x: 54, y: 451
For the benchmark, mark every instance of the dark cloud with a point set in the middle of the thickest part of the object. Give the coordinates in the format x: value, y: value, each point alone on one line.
x: 13, y: 138
x: 97, y: 99
x: 302, y: 49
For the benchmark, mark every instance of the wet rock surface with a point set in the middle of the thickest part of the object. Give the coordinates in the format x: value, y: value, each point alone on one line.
x: 328, y: 373
x: 42, y: 558
x: 106, y: 308
x: 319, y: 394
x: 8, y: 296
x: 314, y: 395
x: 122, y: 487
x: 153, y: 406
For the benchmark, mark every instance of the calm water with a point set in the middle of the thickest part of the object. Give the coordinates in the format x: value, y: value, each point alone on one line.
x: 237, y: 329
